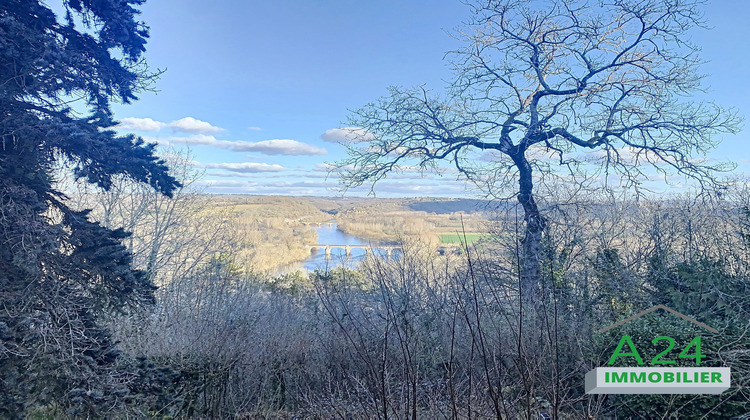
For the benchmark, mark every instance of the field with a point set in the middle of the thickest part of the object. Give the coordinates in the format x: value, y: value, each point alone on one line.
x: 416, y: 218
x: 460, y: 238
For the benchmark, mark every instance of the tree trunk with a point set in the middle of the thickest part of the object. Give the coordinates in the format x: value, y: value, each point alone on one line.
x: 535, y: 224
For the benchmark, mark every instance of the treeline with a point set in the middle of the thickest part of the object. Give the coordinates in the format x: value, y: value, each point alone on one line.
x: 172, y: 235
x: 275, y: 229
x: 386, y: 227
x: 424, y: 337
x: 394, y: 222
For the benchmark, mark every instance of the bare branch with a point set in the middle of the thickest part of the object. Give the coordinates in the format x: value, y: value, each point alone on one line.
x: 613, y: 81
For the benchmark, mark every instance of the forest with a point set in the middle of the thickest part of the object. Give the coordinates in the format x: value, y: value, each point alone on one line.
x: 429, y: 336
x: 422, y: 336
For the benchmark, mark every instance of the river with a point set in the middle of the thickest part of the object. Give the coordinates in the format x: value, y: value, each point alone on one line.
x: 329, y: 234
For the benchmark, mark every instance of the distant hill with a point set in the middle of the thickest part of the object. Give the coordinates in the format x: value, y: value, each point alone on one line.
x: 453, y: 205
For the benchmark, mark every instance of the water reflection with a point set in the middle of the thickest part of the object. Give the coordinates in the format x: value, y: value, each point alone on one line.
x: 329, y: 234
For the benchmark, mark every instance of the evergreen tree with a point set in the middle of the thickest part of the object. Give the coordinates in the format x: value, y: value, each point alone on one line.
x: 60, y: 273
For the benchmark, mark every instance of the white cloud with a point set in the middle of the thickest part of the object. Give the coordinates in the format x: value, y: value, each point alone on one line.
x: 245, y: 167
x: 192, y: 125
x: 254, y: 128
x: 268, y: 147
x: 324, y: 167
x: 187, y: 125
x: 139, y: 124
x: 294, y: 183
x: 347, y: 135
x: 317, y: 175
x: 235, y: 174
x: 279, y: 147
x: 626, y: 155
x: 196, y: 140
x: 426, y: 187
x: 299, y: 184
x: 228, y: 183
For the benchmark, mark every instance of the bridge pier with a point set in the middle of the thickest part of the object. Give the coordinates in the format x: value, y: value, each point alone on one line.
x: 328, y: 249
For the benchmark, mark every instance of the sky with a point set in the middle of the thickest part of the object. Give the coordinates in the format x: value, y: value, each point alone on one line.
x: 260, y: 89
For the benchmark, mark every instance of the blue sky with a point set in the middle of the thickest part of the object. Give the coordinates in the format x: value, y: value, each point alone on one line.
x: 258, y: 88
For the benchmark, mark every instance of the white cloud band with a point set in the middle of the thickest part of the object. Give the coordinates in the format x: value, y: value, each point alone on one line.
x: 268, y: 147
x: 347, y: 135
x: 245, y: 167
x: 185, y: 125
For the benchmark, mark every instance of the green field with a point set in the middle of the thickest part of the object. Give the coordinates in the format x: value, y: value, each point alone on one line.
x: 454, y: 238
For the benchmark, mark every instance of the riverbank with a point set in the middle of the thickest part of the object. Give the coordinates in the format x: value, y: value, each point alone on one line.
x: 276, y: 232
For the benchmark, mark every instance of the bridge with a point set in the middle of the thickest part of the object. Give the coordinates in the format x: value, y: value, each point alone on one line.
x: 318, y: 224
x: 442, y: 249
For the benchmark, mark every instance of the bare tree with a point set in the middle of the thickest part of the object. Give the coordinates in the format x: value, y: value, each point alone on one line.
x: 592, y: 88
x: 170, y: 236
